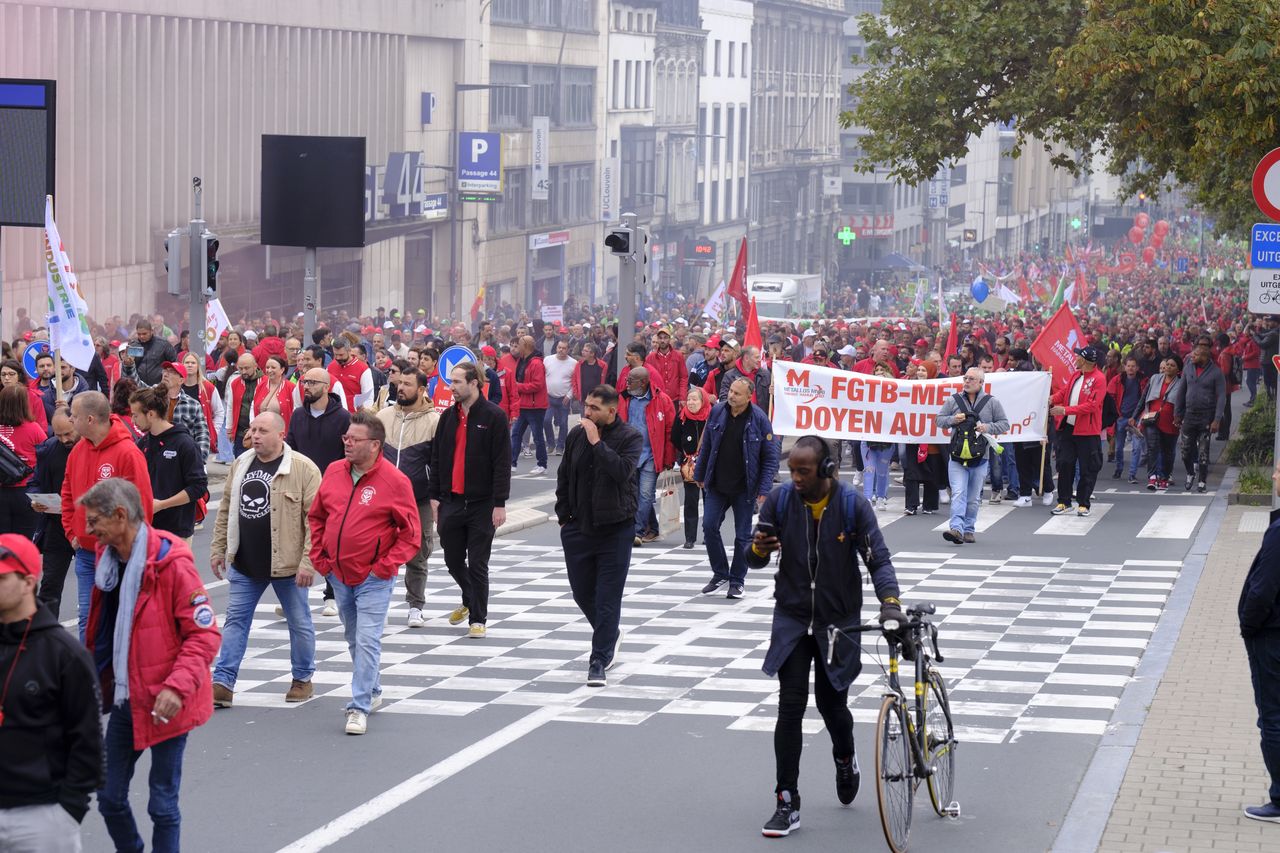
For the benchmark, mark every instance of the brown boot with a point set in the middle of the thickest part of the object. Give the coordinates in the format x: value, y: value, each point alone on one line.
x: 969, y: 538
x: 222, y: 695
x: 300, y: 691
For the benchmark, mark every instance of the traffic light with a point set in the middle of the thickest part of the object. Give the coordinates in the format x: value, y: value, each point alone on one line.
x: 211, y: 263
x: 641, y: 243
x: 1075, y: 223
x: 971, y: 235
x: 173, y: 262
x: 620, y: 241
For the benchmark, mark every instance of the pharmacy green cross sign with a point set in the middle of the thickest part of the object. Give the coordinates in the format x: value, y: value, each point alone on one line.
x: 846, y: 235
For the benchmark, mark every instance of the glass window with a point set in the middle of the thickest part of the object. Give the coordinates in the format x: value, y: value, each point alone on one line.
x: 579, y: 15
x: 509, y: 214
x: 545, y: 13
x: 715, y: 202
x: 742, y: 126
x: 509, y: 11
x: 614, y: 84
x: 508, y: 108
x: 744, y: 59
x: 742, y: 199
x: 578, y: 105
x: 728, y: 135
x: 542, y: 91
x: 732, y: 45
x: 716, y: 73
x: 715, y: 131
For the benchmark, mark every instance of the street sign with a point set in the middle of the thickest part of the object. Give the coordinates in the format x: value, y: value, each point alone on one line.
x: 1266, y: 184
x: 31, y: 353
x: 1183, y: 264
x: 455, y: 355
x: 541, y: 190
x: 480, y: 162
x: 1264, y: 246
x: 1264, y: 291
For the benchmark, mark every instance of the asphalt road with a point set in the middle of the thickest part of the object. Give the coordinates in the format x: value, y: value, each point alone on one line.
x: 498, y: 744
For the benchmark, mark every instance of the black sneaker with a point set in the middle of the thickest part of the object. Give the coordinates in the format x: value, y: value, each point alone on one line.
x: 1133, y: 481
x: 735, y: 590
x: 786, y: 819
x: 911, y: 510
x: 847, y: 779
x: 1201, y: 487
x: 595, y: 674
x: 714, y: 586
x: 1190, y: 481
x: 1269, y: 812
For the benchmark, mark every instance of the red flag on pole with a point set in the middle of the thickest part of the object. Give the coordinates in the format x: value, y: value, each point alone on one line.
x: 478, y: 305
x: 952, y: 337
x: 1055, y: 346
x: 738, y: 281
x: 751, y: 337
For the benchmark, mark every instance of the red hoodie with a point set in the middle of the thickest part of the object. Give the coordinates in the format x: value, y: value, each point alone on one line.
x: 533, y: 390
x: 268, y: 346
x: 673, y: 370
x: 116, y: 456
x: 371, y: 526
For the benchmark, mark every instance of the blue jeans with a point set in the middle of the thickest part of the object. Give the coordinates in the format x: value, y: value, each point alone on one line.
x: 529, y: 419
x: 644, y: 505
x: 875, y: 482
x: 363, y: 611
x: 245, y: 592
x: 226, y: 453
x: 1263, y: 651
x: 85, y: 565
x: 716, y: 506
x: 556, y: 422
x: 164, y: 781
x: 1127, y: 434
x: 966, y: 494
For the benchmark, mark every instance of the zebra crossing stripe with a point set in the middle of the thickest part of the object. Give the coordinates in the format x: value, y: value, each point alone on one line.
x: 1071, y: 524
x: 1172, y: 522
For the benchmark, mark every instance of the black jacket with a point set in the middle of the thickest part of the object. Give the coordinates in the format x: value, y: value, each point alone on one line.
x: 150, y: 365
x: 487, y: 457
x: 176, y: 464
x: 96, y: 376
x: 686, y: 435
x: 598, y: 485
x: 1259, y: 607
x: 319, y: 438
x: 51, y: 470
x: 51, y: 739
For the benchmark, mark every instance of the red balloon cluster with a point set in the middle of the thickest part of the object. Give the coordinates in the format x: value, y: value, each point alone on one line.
x: 1135, y: 235
x: 1139, y: 231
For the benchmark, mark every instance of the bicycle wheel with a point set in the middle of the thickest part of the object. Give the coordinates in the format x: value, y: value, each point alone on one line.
x: 895, y: 782
x: 940, y: 745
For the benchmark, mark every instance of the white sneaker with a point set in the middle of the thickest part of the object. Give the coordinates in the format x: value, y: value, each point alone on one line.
x: 330, y: 608
x: 538, y: 470
x: 884, y: 503
x: 375, y: 703
x: 1023, y: 501
x: 944, y: 497
x: 357, y: 722
x: 856, y: 478
x: 279, y: 610
x: 416, y: 619
x: 1047, y: 499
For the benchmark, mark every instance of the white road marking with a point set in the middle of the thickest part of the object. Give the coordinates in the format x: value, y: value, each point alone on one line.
x: 1172, y: 522
x: 1070, y: 524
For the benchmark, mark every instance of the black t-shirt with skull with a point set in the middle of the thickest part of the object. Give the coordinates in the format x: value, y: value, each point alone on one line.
x: 253, y: 557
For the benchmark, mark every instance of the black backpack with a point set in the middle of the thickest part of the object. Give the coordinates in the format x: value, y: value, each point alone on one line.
x: 968, y: 446
x: 13, y: 468
x: 1110, y: 414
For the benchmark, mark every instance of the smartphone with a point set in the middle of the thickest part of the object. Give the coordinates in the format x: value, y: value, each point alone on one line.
x: 767, y: 529
x: 135, y: 351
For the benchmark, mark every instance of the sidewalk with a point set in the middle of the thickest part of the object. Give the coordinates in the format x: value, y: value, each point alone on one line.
x: 1196, y: 763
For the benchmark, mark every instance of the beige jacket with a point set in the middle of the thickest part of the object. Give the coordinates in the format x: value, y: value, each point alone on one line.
x: 292, y: 491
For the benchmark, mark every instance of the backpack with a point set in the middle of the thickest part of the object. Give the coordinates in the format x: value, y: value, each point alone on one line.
x: 968, y: 446
x: 13, y: 468
x: 784, y: 498
x: 1110, y: 414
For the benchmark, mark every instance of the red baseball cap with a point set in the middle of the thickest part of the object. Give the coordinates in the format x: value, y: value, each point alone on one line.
x: 18, y: 554
x: 175, y: 367
x: 488, y: 352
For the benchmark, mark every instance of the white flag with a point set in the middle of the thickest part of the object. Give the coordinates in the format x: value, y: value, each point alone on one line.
x: 215, y: 323
x: 68, y: 326
x: 715, y: 305
x: 1008, y: 295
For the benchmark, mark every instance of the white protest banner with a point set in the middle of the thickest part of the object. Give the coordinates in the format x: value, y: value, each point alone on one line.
x: 68, y: 326
x: 553, y: 314
x: 215, y: 322
x: 836, y: 404
x: 716, y: 304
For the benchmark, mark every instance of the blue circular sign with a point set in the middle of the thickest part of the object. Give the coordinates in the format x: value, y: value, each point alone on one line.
x: 31, y: 353
x: 451, y: 358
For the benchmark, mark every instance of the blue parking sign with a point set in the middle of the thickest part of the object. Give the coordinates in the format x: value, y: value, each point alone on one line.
x: 480, y: 162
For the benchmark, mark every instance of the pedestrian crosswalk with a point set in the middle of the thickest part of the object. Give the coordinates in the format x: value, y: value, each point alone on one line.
x: 1157, y: 520
x: 1172, y: 522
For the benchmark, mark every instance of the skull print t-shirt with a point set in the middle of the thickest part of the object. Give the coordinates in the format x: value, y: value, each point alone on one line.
x: 253, y: 557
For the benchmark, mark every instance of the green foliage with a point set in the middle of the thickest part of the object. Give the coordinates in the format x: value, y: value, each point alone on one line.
x: 1255, y: 480
x: 1254, y: 440
x: 1167, y: 90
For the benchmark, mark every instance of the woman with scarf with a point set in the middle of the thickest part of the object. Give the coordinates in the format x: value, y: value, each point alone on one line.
x: 923, y: 465
x: 686, y: 435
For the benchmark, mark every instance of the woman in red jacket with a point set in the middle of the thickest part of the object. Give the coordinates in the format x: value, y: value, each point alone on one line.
x: 20, y: 433
x: 1156, y: 421
x: 1250, y: 361
x: 274, y: 393
x: 1226, y: 359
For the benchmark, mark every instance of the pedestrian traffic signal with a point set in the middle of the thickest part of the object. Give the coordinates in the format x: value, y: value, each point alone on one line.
x: 641, y: 242
x: 619, y: 241
x: 173, y: 262
x: 211, y: 264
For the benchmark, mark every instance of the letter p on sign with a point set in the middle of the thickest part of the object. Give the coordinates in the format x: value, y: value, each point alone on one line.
x: 479, y: 147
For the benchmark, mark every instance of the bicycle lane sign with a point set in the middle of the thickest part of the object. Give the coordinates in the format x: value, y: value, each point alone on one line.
x: 1264, y: 291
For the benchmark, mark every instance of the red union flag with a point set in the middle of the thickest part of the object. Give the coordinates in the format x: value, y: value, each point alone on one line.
x: 1055, y: 347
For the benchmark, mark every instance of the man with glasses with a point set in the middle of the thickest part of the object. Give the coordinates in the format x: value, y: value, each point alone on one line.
x: 1199, y: 401
x: 971, y: 414
x: 364, y: 526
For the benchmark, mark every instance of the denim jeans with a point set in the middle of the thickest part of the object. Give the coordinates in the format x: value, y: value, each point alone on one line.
x: 556, y: 422
x: 226, y: 454
x: 1263, y: 651
x: 644, y: 505
x: 1251, y: 382
x: 1160, y: 449
x: 1127, y: 434
x: 85, y: 566
x: 597, y: 568
x: 529, y: 419
x: 966, y: 493
x: 875, y: 482
x: 244, y: 594
x: 164, y: 781
x: 716, y: 506
x: 363, y: 611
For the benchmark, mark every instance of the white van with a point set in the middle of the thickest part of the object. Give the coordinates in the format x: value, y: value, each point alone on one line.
x: 782, y: 296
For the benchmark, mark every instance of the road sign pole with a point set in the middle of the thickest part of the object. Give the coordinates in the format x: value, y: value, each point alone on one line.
x: 628, y: 274
x: 199, y: 270
x: 309, y: 294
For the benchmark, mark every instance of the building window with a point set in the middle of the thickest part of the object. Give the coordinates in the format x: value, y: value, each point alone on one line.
x: 508, y: 108
x: 715, y: 202
x: 648, y: 85
x: 509, y: 11
x: 613, y: 103
x: 637, y: 164
x: 626, y: 92
x: 732, y: 45
x: 728, y: 134
x: 742, y: 197
x: 716, y: 73
x: 578, y: 87
x: 631, y: 21
x: 744, y: 59
x: 579, y: 15
x: 742, y: 129
x: 715, y: 131
x: 509, y: 214
x: 579, y: 281
x: 702, y: 130
x: 542, y: 91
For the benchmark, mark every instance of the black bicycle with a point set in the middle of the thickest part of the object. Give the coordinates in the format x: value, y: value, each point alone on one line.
x: 915, y: 738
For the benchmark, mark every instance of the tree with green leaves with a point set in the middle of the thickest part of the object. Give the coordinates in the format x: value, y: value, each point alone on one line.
x: 1166, y: 91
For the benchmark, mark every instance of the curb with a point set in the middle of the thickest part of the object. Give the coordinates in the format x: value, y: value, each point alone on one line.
x: 1090, y: 810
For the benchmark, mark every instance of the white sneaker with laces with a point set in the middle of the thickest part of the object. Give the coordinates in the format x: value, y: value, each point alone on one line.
x: 416, y: 619
x: 357, y: 722
x: 1047, y: 499
x: 330, y: 608
x: 538, y: 470
x: 1023, y: 501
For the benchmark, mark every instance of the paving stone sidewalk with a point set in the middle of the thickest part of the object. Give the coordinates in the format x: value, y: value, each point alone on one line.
x: 1197, y: 762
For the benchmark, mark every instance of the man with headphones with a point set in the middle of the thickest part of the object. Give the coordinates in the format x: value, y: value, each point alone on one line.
x: 821, y: 527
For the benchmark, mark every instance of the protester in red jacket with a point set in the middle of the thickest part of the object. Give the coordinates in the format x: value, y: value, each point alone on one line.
x: 271, y: 344
x: 668, y: 363
x: 1078, y: 409
x: 531, y: 388
x: 658, y: 452
x: 153, y: 636
x: 505, y: 368
x: 364, y: 525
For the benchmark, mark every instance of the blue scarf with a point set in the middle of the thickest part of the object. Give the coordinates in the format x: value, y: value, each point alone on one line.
x: 107, y: 578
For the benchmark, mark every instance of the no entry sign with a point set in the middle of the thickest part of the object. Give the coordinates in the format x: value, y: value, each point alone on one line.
x: 1266, y: 184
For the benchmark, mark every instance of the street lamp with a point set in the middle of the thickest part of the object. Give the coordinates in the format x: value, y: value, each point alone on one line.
x: 455, y: 281
x: 985, y: 184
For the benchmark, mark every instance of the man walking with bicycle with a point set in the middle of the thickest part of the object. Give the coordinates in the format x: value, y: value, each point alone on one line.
x: 821, y: 527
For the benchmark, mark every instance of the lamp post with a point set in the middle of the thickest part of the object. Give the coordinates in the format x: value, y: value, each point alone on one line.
x: 983, y: 243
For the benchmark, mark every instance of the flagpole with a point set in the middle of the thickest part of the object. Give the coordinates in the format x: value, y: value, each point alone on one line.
x: 57, y: 374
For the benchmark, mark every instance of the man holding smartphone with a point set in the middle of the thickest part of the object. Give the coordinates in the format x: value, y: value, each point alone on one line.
x: 821, y: 527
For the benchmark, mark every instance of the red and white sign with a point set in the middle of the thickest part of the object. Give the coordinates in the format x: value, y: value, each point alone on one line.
x: 1266, y: 184
x: 546, y: 241
x: 1055, y: 346
x: 866, y: 225
x: 837, y: 404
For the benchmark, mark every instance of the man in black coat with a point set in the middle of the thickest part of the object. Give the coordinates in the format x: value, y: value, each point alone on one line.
x: 155, y: 353
x: 51, y: 470
x: 1259, y: 614
x: 597, y: 491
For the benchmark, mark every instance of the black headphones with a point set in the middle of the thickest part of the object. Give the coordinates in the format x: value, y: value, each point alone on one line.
x: 827, y: 464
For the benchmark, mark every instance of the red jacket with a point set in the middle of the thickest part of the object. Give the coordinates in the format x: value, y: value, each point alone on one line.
x: 350, y: 376
x: 284, y: 397
x: 24, y: 440
x: 1250, y: 353
x: 510, y: 404
x: 36, y: 401
x: 672, y: 369
x: 868, y: 366
x: 111, y: 364
x: 655, y: 380
x: 576, y: 383
x: 116, y: 456
x: 532, y: 392
x: 1089, y: 410
x: 174, y: 641
x: 371, y: 526
x: 1226, y: 361
x: 268, y: 346
x: 660, y: 417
